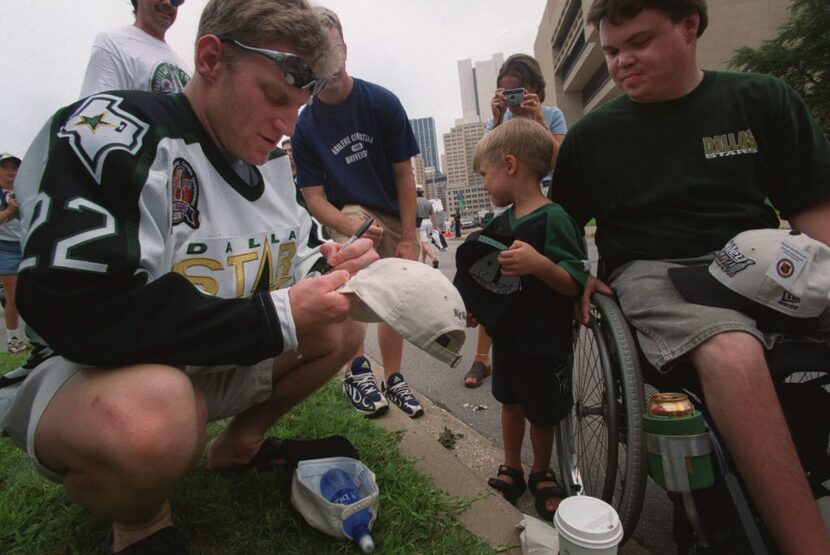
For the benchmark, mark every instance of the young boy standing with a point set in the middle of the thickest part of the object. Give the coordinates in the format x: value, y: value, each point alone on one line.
x: 532, y: 335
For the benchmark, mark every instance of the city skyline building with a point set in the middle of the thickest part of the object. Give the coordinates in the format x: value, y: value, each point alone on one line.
x: 424, y: 129
x: 419, y: 170
x: 477, y: 82
x: 465, y: 190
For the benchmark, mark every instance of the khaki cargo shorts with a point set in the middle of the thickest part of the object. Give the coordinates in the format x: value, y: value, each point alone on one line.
x: 229, y: 390
x: 668, y: 326
x: 392, y: 229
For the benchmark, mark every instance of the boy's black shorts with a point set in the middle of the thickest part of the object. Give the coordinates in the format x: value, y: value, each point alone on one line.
x: 540, y: 384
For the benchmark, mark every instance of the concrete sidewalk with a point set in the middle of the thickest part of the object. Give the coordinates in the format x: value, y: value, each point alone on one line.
x: 463, y: 471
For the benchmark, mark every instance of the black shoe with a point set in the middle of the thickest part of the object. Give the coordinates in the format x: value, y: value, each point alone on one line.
x: 435, y: 263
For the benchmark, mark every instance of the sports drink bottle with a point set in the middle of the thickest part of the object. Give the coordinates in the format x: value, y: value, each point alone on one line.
x: 338, y: 487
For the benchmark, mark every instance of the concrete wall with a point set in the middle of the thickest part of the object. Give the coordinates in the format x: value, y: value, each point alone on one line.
x: 732, y: 24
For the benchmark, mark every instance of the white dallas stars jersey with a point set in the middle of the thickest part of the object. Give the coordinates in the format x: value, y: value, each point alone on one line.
x: 143, y: 245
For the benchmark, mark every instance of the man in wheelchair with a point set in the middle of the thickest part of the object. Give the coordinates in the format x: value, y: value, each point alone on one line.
x: 680, y: 164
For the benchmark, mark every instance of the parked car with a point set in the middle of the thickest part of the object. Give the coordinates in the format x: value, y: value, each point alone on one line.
x: 466, y: 223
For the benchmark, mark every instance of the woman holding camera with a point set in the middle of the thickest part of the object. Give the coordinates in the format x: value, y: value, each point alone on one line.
x: 519, y: 94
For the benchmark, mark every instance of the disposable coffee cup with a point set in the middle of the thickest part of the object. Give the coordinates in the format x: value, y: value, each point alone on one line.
x: 587, y: 526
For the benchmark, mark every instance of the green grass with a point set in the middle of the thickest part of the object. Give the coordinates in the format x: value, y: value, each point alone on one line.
x: 249, y: 512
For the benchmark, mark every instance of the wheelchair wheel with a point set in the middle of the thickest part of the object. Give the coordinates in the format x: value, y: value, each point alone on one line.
x: 600, y: 444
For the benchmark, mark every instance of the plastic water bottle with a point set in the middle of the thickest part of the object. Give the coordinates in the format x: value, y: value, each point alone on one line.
x: 338, y: 487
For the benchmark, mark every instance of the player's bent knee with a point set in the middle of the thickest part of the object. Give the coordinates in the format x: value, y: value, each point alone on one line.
x: 332, y: 340
x: 157, y: 425
x: 353, y: 334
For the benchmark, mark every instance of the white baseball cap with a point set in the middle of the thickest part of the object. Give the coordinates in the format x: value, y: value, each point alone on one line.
x: 765, y: 273
x: 417, y: 301
x: 6, y: 156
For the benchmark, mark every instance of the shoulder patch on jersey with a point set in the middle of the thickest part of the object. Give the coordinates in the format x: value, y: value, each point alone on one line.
x: 98, y: 127
x: 185, y: 194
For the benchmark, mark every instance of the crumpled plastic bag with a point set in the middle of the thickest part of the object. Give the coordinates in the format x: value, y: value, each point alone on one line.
x: 538, y: 537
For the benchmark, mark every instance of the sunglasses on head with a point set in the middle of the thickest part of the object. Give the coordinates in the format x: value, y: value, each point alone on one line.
x: 295, y: 71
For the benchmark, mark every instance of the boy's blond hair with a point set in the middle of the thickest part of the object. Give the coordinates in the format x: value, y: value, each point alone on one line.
x: 527, y: 140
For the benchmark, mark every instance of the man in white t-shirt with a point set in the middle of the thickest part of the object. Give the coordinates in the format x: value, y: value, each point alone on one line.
x: 137, y: 57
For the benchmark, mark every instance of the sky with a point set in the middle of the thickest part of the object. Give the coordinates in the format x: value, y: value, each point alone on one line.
x: 409, y: 46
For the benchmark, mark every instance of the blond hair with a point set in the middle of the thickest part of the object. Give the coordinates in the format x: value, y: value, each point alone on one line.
x: 258, y: 22
x: 527, y: 140
x: 328, y: 19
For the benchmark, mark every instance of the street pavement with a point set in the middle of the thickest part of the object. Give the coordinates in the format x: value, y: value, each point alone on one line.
x: 476, y: 408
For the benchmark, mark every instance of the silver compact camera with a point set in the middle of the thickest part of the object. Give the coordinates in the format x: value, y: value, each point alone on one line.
x: 514, y: 97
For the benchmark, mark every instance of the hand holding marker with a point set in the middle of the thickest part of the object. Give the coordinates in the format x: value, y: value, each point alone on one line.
x: 357, y: 234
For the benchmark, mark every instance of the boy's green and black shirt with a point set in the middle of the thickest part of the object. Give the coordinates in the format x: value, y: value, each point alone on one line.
x: 539, y: 320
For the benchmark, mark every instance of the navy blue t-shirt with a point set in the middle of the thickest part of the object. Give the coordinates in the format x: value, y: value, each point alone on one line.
x: 350, y: 148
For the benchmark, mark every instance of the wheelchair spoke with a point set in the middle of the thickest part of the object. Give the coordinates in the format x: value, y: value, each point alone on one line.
x: 599, y: 444
x: 589, y: 422
x: 592, y: 446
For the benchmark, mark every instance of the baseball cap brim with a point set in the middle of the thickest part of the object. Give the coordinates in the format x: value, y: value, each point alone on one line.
x: 697, y: 285
x: 445, y: 344
x: 416, y: 301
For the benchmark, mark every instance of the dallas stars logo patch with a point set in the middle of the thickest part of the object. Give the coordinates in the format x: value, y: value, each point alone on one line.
x: 732, y: 261
x: 93, y: 122
x: 185, y: 194
x: 99, y: 127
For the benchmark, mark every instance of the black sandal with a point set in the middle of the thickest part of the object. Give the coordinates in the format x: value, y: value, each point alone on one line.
x: 543, y: 494
x: 511, y: 492
x: 478, y: 371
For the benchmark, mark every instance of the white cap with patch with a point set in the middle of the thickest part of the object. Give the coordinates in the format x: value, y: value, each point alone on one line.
x: 417, y: 301
x: 782, y: 270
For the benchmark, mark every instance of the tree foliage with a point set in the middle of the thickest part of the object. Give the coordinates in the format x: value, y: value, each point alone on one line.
x: 799, y: 54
